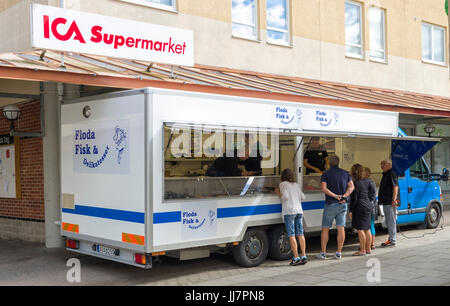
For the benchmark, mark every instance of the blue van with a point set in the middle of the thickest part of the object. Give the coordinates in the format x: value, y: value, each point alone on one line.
x: 420, y: 193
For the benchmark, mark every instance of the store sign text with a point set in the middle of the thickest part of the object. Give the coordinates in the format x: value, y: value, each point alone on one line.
x: 110, y: 39
x: 74, y: 31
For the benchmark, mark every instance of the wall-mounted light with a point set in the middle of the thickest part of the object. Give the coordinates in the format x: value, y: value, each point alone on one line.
x: 429, y: 129
x: 12, y: 113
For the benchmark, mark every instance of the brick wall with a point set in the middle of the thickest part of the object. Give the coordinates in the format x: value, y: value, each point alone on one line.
x: 22, y: 217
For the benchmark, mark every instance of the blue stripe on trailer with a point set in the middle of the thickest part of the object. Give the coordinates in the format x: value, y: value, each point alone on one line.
x: 167, y: 217
x: 248, y: 211
x: 106, y: 213
x: 175, y: 216
x: 313, y: 205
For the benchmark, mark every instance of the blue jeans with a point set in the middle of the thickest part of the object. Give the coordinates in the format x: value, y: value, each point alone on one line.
x: 294, y: 225
x: 390, y: 216
x: 333, y: 211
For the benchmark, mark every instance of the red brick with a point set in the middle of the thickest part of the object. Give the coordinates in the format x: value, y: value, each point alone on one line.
x: 31, y: 203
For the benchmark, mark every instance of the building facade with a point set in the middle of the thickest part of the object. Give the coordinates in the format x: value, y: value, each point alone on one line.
x: 398, y: 45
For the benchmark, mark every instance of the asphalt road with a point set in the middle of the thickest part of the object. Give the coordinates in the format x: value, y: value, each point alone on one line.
x: 32, y: 264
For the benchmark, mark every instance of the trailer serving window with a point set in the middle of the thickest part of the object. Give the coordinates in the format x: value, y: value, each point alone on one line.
x: 203, y: 161
x: 350, y: 150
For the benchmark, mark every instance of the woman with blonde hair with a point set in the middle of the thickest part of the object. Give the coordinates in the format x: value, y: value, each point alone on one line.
x: 361, y: 209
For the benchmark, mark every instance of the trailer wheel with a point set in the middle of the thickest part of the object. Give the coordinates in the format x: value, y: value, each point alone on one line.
x: 253, y: 249
x: 433, y: 216
x: 279, y: 247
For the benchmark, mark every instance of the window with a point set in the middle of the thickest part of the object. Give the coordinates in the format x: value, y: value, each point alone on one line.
x: 278, y: 22
x: 160, y: 4
x: 353, y: 29
x: 377, y: 34
x: 433, y: 44
x: 365, y: 151
x: 244, y: 19
x: 209, y: 162
x: 419, y: 170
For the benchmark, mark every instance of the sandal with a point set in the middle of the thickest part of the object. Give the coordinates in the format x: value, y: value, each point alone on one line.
x: 358, y: 253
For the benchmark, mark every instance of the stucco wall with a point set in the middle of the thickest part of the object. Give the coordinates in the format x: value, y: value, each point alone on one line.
x: 318, y: 39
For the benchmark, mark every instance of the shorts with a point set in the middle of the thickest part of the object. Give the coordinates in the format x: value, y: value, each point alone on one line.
x: 334, y: 211
x: 294, y: 225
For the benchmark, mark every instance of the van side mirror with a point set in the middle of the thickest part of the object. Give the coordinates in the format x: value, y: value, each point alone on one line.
x: 445, y: 174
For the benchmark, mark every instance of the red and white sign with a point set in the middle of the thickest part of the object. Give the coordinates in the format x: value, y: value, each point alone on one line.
x: 73, y: 31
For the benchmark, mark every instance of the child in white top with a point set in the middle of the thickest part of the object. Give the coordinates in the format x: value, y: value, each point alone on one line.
x: 292, y: 212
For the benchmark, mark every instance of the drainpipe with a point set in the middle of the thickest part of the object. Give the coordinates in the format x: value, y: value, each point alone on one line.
x: 62, y: 4
x: 60, y: 89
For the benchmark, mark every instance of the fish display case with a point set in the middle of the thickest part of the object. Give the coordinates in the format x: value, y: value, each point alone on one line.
x: 208, y: 187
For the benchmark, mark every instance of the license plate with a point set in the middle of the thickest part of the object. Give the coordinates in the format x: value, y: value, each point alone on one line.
x: 106, y: 250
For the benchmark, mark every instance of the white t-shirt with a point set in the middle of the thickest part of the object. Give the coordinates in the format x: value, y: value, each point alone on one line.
x: 291, y: 198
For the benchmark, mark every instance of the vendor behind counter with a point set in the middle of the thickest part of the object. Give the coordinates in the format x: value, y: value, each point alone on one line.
x: 315, y: 158
x: 229, y: 166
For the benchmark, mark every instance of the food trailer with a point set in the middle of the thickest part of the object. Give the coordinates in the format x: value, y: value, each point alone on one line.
x: 137, y: 179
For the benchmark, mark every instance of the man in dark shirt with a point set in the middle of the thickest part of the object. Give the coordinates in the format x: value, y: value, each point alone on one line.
x: 337, y: 185
x: 387, y: 196
x: 253, y: 156
x: 227, y: 166
x: 316, y: 157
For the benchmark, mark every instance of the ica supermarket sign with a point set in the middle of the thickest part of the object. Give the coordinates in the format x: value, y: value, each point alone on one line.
x: 73, y: 31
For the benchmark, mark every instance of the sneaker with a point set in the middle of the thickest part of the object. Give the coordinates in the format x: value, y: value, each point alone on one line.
x: 338, y: 255
x: 322, y: 256
x: 295, y: 261
x: 304, y: 260
x: 388, y: 244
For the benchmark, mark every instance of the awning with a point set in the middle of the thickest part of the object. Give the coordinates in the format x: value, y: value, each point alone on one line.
x: 406, y: 152
x: 121, y: 73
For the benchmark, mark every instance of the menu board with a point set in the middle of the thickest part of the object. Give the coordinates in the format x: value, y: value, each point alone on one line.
x: 9, y: 167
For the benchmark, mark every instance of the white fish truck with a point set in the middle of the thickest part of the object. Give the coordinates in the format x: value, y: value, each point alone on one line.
x: 154, y: 172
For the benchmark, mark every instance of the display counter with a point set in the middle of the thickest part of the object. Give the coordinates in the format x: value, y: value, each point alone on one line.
x: 311, y: 182
x: 208, y: 187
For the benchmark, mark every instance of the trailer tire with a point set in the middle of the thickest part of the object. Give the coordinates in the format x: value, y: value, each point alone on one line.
x: 253, y: 249
x: 279, y: 247
x: 433, y: 217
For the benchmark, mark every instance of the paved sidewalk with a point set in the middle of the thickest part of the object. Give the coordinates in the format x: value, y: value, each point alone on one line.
x: 419, y: 261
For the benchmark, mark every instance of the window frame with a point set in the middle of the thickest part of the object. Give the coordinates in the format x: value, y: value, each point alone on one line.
x: 288, y: 42
x: 255, y: 26
x: 149, y: 3
x: 235, y: 130
x: 432, y: 27
x: 384, y: 50
x: 361, y: 27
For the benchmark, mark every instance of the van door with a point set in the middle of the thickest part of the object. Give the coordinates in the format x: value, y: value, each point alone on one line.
x: 419, y: 190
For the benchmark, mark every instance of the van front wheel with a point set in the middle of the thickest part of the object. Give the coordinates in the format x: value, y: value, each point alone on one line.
x: 433, y: 217
x: 253, y: 249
